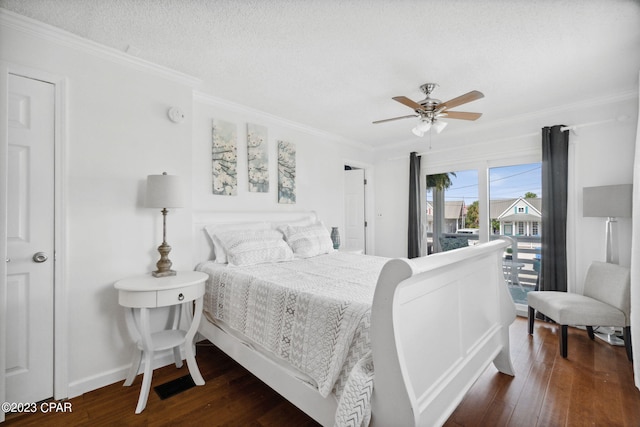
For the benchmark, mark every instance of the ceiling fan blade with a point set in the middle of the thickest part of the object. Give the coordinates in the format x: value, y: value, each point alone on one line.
x: 409, y: 103
x: 462, y: 99
x: 461, y: 115
x: 395, y: 118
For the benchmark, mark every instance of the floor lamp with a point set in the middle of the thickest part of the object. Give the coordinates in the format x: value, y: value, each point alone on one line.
x: 611, y: 202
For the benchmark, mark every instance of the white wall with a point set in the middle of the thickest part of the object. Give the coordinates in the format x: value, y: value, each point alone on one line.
x: 392, y: 206
x: 603, y: 156
x: 602, y: 148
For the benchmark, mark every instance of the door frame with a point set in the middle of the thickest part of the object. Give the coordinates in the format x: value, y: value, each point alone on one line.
x: 60, y: 319
x: 369, y: 206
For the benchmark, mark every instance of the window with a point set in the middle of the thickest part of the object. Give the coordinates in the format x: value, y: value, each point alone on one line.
x: 515, y: 208
x: 452, y: 218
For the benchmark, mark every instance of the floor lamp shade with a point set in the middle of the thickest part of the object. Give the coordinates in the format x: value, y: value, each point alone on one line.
x: 164, y: 191
x: 611, y: 202
x: 607, y: 201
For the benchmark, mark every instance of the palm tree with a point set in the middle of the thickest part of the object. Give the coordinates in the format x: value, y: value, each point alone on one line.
x: 438, y: 183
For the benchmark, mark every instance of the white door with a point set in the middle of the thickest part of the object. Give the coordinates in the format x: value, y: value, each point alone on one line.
x: 354, y: 236
x: 30, y: 233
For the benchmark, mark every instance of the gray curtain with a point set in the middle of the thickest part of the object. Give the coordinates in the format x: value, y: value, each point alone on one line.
x: 555, y: 169
x: 415, y: 235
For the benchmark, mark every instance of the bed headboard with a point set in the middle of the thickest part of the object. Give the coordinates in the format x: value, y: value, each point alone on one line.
x: 202, y: 246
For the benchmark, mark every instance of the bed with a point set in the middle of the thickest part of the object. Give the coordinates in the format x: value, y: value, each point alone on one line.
x: 402, y: 348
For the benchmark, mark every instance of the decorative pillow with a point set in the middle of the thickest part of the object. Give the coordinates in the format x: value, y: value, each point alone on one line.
x: 308, y: 241
x: 247, y: 247
x: 214, y: 229
x: 297, y: 223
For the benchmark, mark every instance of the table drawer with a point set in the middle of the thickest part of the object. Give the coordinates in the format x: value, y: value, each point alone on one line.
x: 136, y: 299
x: 179, y: 295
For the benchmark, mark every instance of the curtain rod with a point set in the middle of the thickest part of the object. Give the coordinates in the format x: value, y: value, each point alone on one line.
x: 573, y: 128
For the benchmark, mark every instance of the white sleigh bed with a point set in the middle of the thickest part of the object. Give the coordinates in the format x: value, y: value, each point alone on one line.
x: 436, y: 324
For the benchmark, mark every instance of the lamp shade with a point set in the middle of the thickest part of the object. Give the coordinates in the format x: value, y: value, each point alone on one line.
x: 164, y: 191
x: 607, y: 201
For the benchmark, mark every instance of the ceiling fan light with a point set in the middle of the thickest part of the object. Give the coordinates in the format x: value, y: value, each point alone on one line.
x: 438, y: 126
x: 417, y: 132
x: 424, y: 124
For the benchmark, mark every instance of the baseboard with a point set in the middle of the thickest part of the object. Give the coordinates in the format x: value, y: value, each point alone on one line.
x: 94, y: 382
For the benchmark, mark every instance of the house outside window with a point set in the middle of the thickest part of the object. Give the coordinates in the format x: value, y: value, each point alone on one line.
x: 516, y: 216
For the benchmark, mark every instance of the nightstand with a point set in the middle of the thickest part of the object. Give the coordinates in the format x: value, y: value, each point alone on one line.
x: 142, y: 293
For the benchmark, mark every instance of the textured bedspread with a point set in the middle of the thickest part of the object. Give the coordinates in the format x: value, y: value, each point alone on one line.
x: 313, y: 313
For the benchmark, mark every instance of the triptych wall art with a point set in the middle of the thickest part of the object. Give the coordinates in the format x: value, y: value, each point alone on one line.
x: 225, y: 162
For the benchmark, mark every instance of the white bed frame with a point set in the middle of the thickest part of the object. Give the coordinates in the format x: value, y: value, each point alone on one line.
x: 436, y: 324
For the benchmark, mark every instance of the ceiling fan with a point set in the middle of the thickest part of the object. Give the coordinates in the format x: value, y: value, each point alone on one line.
x: 430, y: 110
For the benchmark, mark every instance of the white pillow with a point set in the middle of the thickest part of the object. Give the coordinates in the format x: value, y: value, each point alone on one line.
x: 214, y: 229
x: 308, y: 241
x: 247, y: 247
x: 297, y: 223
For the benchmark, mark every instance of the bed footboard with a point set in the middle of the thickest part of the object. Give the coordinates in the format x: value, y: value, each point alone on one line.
x: 448, y: 315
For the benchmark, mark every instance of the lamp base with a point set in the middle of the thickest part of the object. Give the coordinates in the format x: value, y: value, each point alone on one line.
x: 164, y: 264
x: 608, y: 335
x: 165, y: 273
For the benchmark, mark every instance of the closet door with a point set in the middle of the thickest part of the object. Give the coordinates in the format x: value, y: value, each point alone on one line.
x: 30, y: 241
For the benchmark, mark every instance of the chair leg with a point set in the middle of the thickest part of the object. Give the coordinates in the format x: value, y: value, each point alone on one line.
x: 532, y: 317
x: 626, y: 335
x: 590, y: 332
x: 563, y: 341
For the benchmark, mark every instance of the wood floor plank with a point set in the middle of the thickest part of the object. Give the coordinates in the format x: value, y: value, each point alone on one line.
x: 593, y: 386
x: 555, y: 406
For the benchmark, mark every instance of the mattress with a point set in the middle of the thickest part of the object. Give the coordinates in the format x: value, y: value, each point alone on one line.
x: 312, y: 314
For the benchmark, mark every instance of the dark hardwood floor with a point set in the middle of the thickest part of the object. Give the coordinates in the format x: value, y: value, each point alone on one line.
x: 592, y: 387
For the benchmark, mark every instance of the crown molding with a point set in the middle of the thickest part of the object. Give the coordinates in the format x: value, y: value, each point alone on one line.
x: 205, y: 98
x: 64, y: 38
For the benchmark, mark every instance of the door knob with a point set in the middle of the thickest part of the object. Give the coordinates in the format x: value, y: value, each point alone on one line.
x: 40, y: 257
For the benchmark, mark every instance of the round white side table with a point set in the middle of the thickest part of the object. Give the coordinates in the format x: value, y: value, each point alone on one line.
x: 142, y: 293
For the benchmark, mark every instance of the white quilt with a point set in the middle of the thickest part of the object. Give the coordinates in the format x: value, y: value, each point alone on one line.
x: 313, y: 313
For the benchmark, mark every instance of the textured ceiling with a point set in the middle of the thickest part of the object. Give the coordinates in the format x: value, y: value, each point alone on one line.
x: 335, y: 64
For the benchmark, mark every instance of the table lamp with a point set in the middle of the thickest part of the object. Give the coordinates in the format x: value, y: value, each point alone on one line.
x: 164, y: 191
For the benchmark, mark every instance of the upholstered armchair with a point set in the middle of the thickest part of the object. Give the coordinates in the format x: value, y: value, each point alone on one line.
x: 606, y: 302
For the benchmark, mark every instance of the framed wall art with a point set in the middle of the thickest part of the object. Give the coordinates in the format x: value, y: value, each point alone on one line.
x: 286, y: 172
x: 257, y: 158
x: 224, y: 158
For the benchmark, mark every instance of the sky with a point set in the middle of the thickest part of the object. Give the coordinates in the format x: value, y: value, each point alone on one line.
x: 505, y: 183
